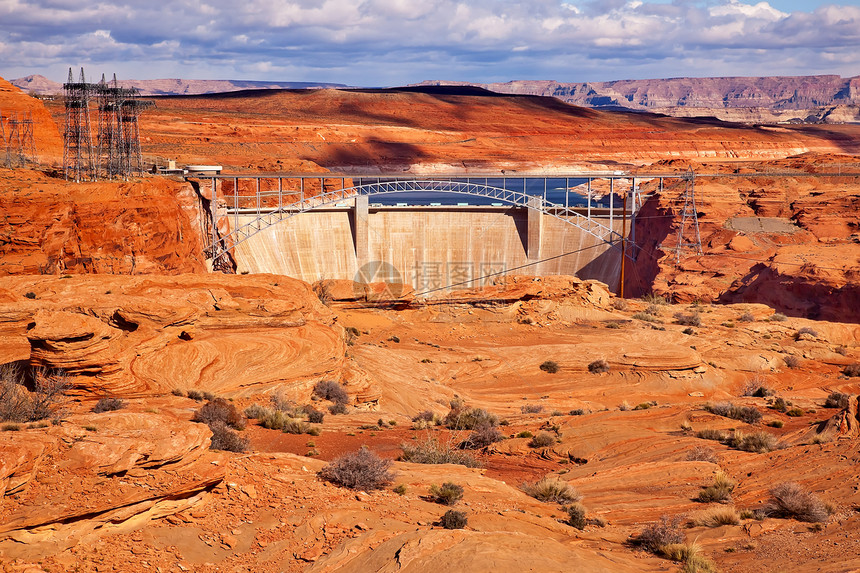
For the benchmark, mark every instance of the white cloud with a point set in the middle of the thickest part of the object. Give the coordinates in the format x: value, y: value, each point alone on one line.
x: 399, y: 41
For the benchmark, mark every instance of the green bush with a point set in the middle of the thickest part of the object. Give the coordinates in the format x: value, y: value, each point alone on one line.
x: 448, y: 493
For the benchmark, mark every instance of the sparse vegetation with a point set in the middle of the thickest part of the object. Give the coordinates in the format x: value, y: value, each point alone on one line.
x: 758, y: 442
x: 619, y: 304
x: 178, y: 392
x: 525, y: 434
x: 337, y: 408
x: 462, y: 418
x: 195, y: 395
x: 332, y: 391
x: 576, y: 515
x: 315, y: 416
x: 711, y: 434
x: 653, y: 298
x: 400, y: 489
x: 746, y: 317
x: 852, y: 370
x: 644, y: 316
x: 720, y: 491
x: 531, y: 409
x: 549, y: 366
x: 433, y: 451
x: 576, y: 412
x: 483, y: 437
x: 223, y: 438
x: 791, y: 361
x: 542, y: 440
x: 598, y: 366
x: 688, y: 319
x: 220, y: 410
x: 717, y: 516
x: 46, y: 400
x: 690, y: 556
x: 837, y: 400
x: 454, y: 520
x: 551, y: 490
x: 361, y: 470
x: 660, y: 534
x: 643, y: 406
x: 806, y: 330
x: 757, y: 388
x: 775, y: 423
x: 448, y: 493
x: 777, y: 317
x: 794, y: 412
x: 108, y: 405
x: 792, y: 500
x: 780, y: 404
x: 748, y: 414
x: 702, y: 454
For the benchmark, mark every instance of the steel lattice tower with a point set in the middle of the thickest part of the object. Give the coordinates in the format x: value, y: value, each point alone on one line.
x: 4, y: 143
x: 77, y: 144
x: 110, y: 143
x: 689, y: 215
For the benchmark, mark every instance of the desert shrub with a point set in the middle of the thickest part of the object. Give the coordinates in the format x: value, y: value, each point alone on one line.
x: 551, y: 490
x: 758, y: 442
x: 337, y: 408
x: 30, y: 294
x: 361, y: 469
x: 525, y: 434
x: 274, y: 419
x: 644, y: 316
x: 195, y: 395
x: 395, y: 339
x: 257, y: 411
x: 780, y: 404
x: 220, y: 410
x: 425, y: 416
x: 432, y: 451
x: 746, y: 317
x: 577, y: 412
x: 690, y: 556
x: 549, y: 366
x: 454, y: 520
x: 315, y: 416
x: 223, y: 438
x: 542, y: 440
x: 776, y: 423
x: 841, y: 350
x: 448, y: 493
x: 777, y: 317
x: 576, y: 515
x: 852, y: 370
x: 757, y: 388
x: 658, y: 535
x: 332, y: 391
x: 11, y: 427
x: 688, y: 319
x: 792, y: 500
x: 483, y: 437
x: 837, y: 400
x: 619, y: 304
x: 46, y: 400
x: 748, y: 414
x: 400, y: 489
x: 806, y: 330
x: 791, y: 361
x: 178, y: 392
x: 688, y: 331
x: 653, y: 298
x: 720, y: 491
x: 702, y: 454
x: 531, y: 409
x: 598, y: 366
x: 794, y: 412
x: 711, y: 434
x: 108, y: 405
x: 293, y: 426
x: 460, y: 418
x: 717, y: 516
x: 643, y: 406
x: 652, y: 309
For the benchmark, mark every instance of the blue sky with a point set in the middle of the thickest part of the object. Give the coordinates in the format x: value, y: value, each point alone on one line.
x: 395, y: 42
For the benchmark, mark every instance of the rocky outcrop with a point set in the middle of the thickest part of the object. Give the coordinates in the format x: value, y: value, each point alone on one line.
x: 46, y: 137
x: 52, y: 226
x: 125, y: 335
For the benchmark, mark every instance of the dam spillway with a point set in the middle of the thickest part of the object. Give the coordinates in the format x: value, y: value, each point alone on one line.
x: 430, y: 247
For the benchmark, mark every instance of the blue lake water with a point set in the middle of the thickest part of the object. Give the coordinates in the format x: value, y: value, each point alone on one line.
x: 554, y: 190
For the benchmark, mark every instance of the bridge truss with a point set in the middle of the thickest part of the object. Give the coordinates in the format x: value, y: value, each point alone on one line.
x: 273, y: 198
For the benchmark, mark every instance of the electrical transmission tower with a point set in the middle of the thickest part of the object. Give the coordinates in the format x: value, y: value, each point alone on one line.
x: 16, y: 137
x: 688, y: 215
x: 77, y: 145
x: 109, y: 143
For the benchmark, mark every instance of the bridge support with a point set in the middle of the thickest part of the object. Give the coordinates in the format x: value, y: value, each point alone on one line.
x: 360, y: 214
x: 535, y: 223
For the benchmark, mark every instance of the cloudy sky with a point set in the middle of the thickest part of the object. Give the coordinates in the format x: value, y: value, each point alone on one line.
x: 395, y: 42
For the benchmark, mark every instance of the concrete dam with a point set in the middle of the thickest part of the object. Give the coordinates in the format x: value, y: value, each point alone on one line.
x: 430, y: 247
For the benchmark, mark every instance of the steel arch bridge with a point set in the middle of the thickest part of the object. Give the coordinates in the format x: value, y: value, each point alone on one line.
x: 265, y: 217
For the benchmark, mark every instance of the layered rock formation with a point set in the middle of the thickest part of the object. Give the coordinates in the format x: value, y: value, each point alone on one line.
x: 46, y: 137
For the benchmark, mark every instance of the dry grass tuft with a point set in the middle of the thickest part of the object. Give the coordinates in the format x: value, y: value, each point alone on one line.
x: 717, y: 516
x: 552, y: 490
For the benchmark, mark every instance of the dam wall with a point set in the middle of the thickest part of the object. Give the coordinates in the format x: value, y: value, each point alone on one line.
x: 428, y: 247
